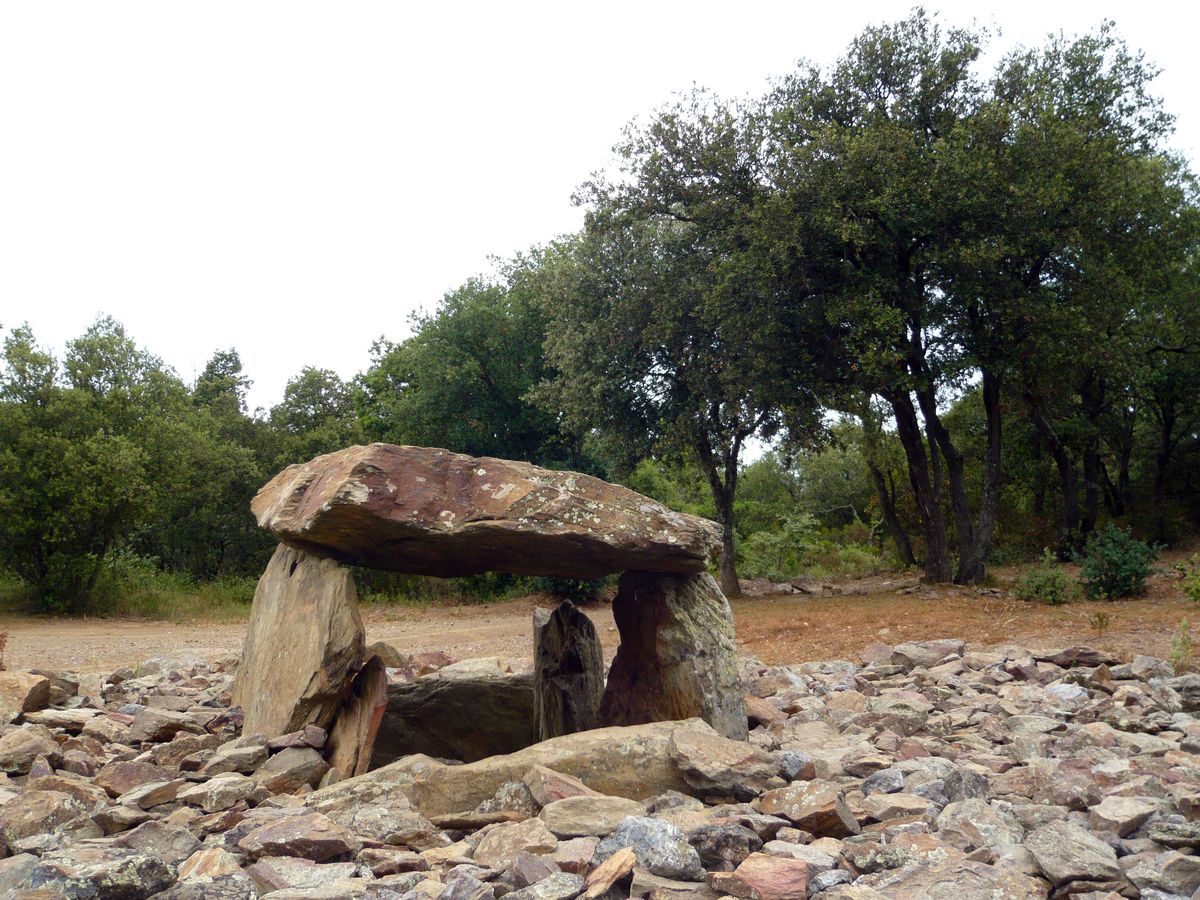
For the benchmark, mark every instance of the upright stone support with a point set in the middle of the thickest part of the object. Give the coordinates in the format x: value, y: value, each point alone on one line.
x: 568, y: 672
x: 352, y: 738
x: 677, y: 657
x: 303, y: 646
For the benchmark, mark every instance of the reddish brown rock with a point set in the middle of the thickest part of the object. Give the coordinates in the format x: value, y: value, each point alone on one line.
x: 815, y: 806
x: 352, y: 737
x: 432, y: 512
x: 771, y: 877
x: 120, y: 777
x: 677, y: 658
x: 309, y: 836
x: 304, y: 643
x: 22, y: 692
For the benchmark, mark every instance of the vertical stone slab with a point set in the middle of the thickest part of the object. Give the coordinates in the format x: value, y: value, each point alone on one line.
x: 352, y: 737
x: 677, y: 657
x: 568, y: 672
x: 303, y: 646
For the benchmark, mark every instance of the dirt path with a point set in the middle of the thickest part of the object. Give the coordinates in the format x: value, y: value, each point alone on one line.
x: 790, y: 628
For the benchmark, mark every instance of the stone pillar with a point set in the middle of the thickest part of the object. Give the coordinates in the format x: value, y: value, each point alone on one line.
x: 568, y: 672
x: 677, y: 657
x: 352, y: 737
x: 303, y: 647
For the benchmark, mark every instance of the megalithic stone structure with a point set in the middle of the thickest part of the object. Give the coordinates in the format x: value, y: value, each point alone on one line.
x: 428, y: 511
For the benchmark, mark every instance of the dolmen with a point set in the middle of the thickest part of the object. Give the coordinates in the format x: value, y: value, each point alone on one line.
x: 428, y: 511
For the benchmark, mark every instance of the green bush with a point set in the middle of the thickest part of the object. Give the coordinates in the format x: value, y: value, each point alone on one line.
x: 1047, y: 583
x: 1115, y: 564
x: 578, y: 591
x: 1191, y: 578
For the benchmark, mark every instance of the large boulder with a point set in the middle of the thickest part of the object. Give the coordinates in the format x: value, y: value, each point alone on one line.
x: 634, y: 762
x: 568, y: 671
x: 465, y: 717
x: 433, y: 512
x: 677, y: 658
x: 303, y: 646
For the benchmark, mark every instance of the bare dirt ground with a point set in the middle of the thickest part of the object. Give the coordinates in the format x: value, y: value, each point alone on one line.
x: 777, y: 629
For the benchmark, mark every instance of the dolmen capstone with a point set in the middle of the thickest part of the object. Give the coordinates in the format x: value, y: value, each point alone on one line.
x: 429, y: 511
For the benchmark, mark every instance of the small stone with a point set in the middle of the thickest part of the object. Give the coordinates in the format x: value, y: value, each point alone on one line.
x: 1121, y: 815
x: 309, y: 836
x: 1066, y: 852
x: 290, y: 770
x: 602, y: 878
x: 118, y: 778
x: 158, y: 725
x: 22, y: 692
x: 658, y: 845
x: 37, y: 812
x: 772, y: 877
x: 20, y: 747
x: 585, y: 815
x: 558, y: 886
x: 167, y: 842
x: 816, y: 806
x: 503, y: 843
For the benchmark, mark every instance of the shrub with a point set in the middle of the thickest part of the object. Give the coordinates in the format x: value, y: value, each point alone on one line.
x: 1191, y: 578
x: 1047, y: 583
x: 578, y: 591
x: 1115, y: 564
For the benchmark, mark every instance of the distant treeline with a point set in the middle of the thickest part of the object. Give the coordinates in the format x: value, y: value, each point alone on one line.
x: 962, y: 307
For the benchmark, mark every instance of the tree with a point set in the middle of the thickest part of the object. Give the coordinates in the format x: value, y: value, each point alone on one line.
x: 659, y: 316
x: 71, y: 484
x: 464, y: 379
x: 316, y: 415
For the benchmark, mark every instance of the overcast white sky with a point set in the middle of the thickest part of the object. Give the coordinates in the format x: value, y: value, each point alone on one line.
x: 293, y: 179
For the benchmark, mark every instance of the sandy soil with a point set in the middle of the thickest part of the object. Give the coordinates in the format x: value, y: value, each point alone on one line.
x: 790, y: 628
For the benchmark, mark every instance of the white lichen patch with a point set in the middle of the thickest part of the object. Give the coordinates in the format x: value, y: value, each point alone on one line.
x: 481, y: 472
x: 505, y: 489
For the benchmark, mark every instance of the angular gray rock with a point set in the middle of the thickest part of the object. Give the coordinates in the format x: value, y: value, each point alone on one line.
x: 660, y: 847
x: 677, y: 657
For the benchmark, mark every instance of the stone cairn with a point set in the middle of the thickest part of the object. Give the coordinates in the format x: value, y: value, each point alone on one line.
x: 432, y: 512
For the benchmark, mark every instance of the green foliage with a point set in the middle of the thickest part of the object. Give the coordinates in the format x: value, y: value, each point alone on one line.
x: 1183, y: 652
x: 1190, y: 582
x: 464, y: 380
x: 1047, y: 583
x: 1115, y: 564
x: 578, y: 591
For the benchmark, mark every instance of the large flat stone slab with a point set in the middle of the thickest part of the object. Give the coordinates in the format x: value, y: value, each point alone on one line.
x: 303, y: 646
x: 634, y: 762
x: 432, y: 512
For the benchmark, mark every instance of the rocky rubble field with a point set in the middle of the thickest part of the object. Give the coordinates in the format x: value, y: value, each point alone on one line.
x: 923, y: 771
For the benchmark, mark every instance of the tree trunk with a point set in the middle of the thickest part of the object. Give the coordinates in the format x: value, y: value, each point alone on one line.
x: 908, y: 429
x: 1067, y: 476
x: 1091, y: 487
x: 723, y: 492
x: 1162, y: 462
x: 973, y: 554
x: 726, y: 567
x: 887, y: 504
